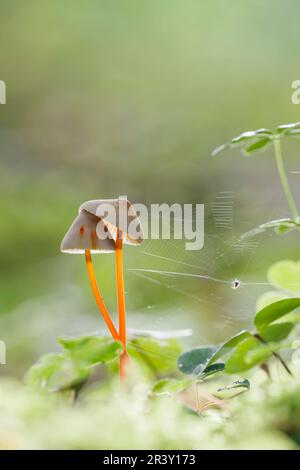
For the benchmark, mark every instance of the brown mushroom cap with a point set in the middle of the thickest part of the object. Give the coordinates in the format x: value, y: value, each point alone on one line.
x: 82, y: 235
x: 131, y: 232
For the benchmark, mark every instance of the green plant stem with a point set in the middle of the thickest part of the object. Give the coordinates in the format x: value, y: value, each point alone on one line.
x: 266, y: 369
x: 284, y: 180
x: 275, y: 354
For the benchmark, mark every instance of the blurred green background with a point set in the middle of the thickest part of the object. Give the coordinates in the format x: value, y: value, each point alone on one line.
x: 106, y: 98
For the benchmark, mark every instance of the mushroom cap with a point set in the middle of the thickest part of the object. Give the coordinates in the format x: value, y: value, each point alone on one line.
x: 82, y: 235
x: 108, y: 211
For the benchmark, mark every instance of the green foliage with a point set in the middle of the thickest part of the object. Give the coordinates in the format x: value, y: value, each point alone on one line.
x: 156, y: 356
x: 249, y: 141
x: 254, y: 141
x: 280, y: 226
x: 57, y: 372
x: 132, y: 419
x: 245, y: 349
x: 285, y: 275
x: 212, y: 369
x: 170, y: 386
x: 248, y: 354
x: 274, y: 312
x: 289, y: 129
x: 229, y: 345
x: 70, y: 369
x: 91, y: 350
x: 276, y: 332
x: 73, y: 367
x: 268, y: 298
x: 202, y: 361
x: 236, y: 388
x: 195, y: 361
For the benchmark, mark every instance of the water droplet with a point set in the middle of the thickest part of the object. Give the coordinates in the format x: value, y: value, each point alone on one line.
x: 235, y: 284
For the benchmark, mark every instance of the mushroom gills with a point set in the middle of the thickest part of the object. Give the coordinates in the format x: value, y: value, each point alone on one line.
x: 82, y: 235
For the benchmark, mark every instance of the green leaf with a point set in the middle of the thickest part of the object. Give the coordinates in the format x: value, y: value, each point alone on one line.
x: 196, y: 360
x: 159, y: 356
x: 285, y: 275
x: 212, y: 369
x: 236, y: 388
x: 251, y: 140
x: 248, y: 354
x: 55, y: 372
x: 287, y: 128
x: 275, y: 311
x: 220, y: 149
x: 202, y: 361
x: 285, y: 228
x: 268, y: 298
x: 294, y: 133
x: 250, y: 136
x: 277, y: 331
x: 158, y: 334
x: 91, y: 350
x: 280, y: 226
x: 170, y: 386
x: 226, y: 347
x: 259, y: 144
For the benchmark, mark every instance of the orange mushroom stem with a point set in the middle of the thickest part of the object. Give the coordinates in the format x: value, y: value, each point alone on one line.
x: 98, y: 298
x: 121, y: 303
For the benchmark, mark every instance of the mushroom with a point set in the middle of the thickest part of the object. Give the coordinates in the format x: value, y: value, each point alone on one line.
x: 122, y: 223
x: 102, y: 226
x: 82, y: 238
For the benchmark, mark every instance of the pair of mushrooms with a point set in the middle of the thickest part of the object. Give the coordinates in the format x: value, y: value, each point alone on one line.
x: 102, y: 226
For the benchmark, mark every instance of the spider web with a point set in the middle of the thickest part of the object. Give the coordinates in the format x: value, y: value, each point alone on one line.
x: 212, y: 288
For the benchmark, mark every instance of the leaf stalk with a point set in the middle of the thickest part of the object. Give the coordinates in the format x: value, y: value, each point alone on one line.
x: 284, y: 179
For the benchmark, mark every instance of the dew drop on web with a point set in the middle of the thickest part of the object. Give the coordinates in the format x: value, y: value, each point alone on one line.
x: 235, y: 284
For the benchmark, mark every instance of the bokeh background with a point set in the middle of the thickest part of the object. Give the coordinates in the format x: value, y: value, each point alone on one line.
x: 106, y: 98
